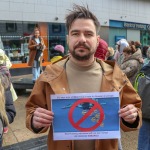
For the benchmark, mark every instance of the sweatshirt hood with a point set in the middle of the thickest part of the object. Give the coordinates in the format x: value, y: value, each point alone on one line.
x: 137, y: 55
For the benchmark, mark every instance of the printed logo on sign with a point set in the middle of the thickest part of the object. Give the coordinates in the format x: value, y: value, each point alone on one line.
x: 90, y: 105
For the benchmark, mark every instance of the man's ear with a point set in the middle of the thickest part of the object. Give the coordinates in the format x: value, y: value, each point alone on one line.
x: 98, y: 39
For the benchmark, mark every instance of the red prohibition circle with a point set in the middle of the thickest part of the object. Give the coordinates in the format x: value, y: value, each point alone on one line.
x: 95, y: 106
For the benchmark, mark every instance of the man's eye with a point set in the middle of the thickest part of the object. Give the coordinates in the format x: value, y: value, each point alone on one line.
x: 89, y: 34
x: 75, y: 34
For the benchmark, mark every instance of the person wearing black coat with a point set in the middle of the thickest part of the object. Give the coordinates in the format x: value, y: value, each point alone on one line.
x: 9, y: 106
x: 6, y: 99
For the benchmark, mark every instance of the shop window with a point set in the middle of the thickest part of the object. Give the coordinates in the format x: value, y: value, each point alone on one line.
x: 11, y: 27
x: 56, y: 28
x: 31, y: 26
x: 145, y: 37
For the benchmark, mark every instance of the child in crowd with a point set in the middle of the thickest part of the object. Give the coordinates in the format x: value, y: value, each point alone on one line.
x: 57, y: 53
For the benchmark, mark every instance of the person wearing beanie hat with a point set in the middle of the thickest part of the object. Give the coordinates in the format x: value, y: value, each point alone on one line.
x: 5, y: 64
x: 101, y: 49
x: 4, y: 60
x: 59, y: 48
x: 58, y: 53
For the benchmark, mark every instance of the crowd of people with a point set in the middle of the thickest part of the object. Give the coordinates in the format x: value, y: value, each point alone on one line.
x: 132, y: 58
x: 90, y: 66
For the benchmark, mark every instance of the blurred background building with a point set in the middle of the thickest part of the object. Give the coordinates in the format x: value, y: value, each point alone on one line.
x: 128, y: 19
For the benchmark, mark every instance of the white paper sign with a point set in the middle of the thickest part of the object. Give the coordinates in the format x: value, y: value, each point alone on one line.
x: 86, y: 116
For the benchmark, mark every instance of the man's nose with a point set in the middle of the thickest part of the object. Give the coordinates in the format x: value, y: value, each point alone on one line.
x: 82, y: 38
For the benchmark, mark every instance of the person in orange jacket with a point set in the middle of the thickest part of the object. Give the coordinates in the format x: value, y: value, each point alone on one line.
x: 36, y: 47
x: 81, y: 72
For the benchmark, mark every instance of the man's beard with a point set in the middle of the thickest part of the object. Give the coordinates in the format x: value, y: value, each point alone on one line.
x: 77, y: 56
x: 80, y: 58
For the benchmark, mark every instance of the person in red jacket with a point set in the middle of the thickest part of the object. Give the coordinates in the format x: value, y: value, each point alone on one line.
x: 101, y: 49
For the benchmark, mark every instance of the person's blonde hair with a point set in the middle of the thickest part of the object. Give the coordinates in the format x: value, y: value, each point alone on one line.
x: 2, y: 105
x: 111, y: 51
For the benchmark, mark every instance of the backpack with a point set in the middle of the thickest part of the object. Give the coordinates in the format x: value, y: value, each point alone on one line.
x: 142, y: 86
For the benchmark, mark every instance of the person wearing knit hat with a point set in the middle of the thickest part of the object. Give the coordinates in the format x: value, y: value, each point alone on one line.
x: 5, y: 65
x: 101, y: 49
x: 58, y: 53
x: 4, y: 60
x: 59, y: 48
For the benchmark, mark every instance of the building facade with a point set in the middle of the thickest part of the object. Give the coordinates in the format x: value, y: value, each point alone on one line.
x: 128, y: 19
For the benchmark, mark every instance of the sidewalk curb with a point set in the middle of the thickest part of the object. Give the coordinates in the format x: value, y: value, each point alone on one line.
x: 32, y: 144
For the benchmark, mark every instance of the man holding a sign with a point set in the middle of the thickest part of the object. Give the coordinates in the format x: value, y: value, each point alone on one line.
x: 81, y: 72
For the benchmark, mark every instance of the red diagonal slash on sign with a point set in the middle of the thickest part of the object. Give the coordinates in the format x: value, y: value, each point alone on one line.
x: 95, y: 106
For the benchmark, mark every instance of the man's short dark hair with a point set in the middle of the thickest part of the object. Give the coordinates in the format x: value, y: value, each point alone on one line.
x: 82, y: 13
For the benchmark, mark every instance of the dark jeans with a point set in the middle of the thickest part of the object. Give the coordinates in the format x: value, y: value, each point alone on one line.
x: 1, y: 144
x: 144, y: 135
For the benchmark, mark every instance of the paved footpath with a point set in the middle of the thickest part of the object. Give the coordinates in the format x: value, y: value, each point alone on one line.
x: 20, y: 138
x: 32, y: 144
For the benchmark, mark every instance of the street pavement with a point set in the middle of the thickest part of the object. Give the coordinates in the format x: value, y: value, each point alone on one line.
x: 20, y: 138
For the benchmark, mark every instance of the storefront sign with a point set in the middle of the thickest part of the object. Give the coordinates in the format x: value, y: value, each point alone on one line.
x: 136, y: 26
x: 131, y: 25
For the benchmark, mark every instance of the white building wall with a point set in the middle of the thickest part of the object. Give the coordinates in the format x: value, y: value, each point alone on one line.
x: 47, y: 10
